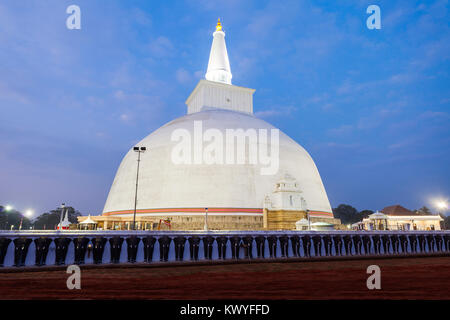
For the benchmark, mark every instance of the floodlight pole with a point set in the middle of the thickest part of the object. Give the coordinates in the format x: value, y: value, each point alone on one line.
x: 205, y: 227
x: 138, y: 150
x: 307, y: 213
x: 6, y: 209
x: 309, y: 219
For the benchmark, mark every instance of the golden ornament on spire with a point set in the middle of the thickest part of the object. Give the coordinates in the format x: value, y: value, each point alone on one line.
x: 219, y: 25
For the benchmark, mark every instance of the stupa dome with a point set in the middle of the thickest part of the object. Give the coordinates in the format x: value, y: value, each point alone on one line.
x: 165, y: 187
x: 193, y: 164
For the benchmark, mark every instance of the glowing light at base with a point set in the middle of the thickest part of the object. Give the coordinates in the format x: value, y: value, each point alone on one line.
x: 441, y: 204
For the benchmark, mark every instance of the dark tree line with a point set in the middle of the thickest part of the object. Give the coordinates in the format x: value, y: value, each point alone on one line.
x: 446, y: 222
x: 46, y: 221
x: 349, y: 215
x: 423, y: 211
x: 13, y: 217
x: 49, y: 220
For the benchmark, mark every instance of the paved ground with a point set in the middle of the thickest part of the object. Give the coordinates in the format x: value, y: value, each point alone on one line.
x: 409, y: 278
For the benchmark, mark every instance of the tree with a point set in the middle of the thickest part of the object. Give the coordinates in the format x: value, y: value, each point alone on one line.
x: 346, y: 213
x: 364, y: 214
x: 349, y: 214
x: 424, y: 211
x: 50, y: 220
x: 445, y: 225
x: 13, y: 217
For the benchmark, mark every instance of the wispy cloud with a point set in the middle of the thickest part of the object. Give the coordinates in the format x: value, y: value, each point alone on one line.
x: 343, y: 145
x: 343, y: 129
x: 275, y: 112
x: 161, y: 47
x: 185, y: 77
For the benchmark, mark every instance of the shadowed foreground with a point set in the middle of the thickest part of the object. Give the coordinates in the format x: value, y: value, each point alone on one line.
x: 410, y: 278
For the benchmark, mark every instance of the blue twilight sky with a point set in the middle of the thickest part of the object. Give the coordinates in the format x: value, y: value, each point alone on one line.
x: 371, y: 106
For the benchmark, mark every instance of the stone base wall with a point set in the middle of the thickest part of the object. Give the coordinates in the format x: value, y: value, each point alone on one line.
x: 276, y: 220
x: 214, y: 222
x: 336, y: 222
x: 285, y: 220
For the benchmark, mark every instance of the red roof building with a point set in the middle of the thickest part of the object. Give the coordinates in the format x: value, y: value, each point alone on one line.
x: 397, y: 217
x: 398, y: 210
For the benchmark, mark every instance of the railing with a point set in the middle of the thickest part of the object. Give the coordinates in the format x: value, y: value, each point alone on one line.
x: 34, y: 247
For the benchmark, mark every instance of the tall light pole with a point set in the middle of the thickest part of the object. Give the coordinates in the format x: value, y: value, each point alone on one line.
x: 7, y: 209
x: 305, y: 207
x: 442, y: 206
x: 28, y: 214
x: 309, y: 219
x: 138, y: 150
x: 205, y: 227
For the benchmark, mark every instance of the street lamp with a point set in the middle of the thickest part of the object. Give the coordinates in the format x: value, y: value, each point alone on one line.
x: 442, y: 205
x: 309, y: 219
x: 7, y: 208
x: 205, y: 227
x: 305, y: 207
x: 139, y: 150
x: 28, y: 214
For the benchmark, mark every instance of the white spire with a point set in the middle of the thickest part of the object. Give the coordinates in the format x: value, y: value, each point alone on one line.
x: 64, y: 223
x: 66, y: 218
x: 217, y: 91
x: 219, y: 65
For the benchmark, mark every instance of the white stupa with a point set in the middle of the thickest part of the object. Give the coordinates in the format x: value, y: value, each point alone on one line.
x: 65, y: 223
x: 231, y: 192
